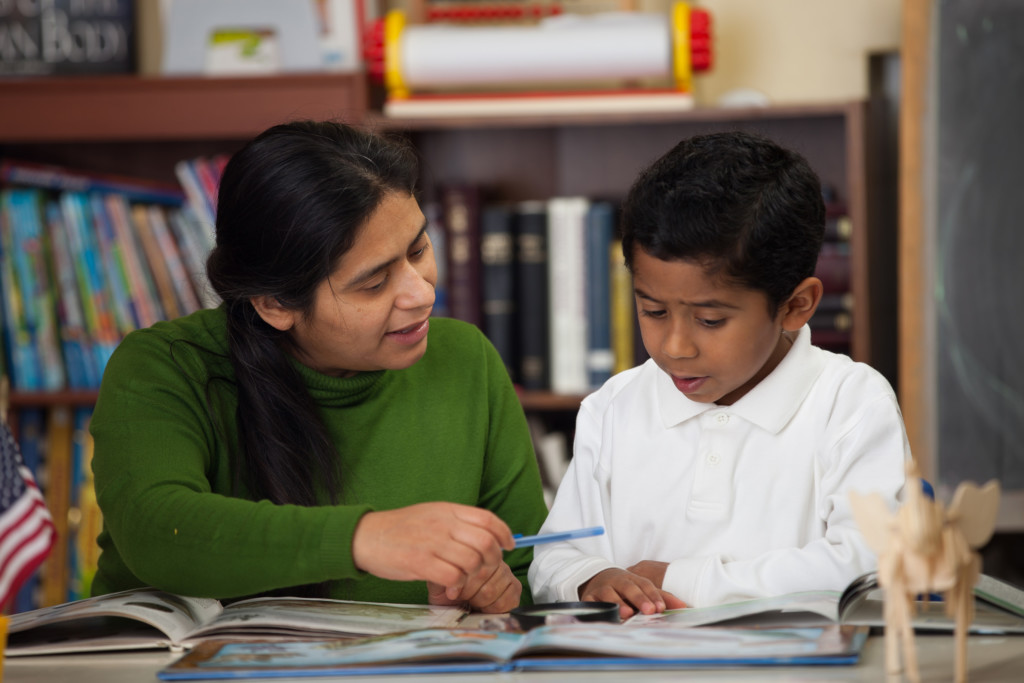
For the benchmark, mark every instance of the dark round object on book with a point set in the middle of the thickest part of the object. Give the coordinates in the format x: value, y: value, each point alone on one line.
x: 561, y: 612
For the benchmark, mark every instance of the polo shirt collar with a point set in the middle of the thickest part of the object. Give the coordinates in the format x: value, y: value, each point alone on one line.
x: 770, y: 405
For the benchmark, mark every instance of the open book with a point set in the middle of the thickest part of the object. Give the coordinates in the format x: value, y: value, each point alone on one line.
x: 999, y: 608
x: 555, y: 647
x: 148, y: 619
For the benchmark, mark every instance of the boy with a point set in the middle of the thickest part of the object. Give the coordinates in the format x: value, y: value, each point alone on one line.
x: 721, y: 467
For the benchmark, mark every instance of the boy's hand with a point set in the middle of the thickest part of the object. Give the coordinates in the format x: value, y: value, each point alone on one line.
x: 492, y: 590
x: 632, y: 592
x: 651, y: 570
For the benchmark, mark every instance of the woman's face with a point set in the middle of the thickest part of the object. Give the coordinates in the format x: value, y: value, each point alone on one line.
x: 372, y: 312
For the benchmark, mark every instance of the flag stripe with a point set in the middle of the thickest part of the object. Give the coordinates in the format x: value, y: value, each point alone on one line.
x: 29, y: 497
x: 26, y: 528
x: 25, y: 561
x: 11, y: 521
x: 17, y: 542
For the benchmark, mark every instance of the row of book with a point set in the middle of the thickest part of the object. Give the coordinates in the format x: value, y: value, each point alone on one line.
x: 546, y: 282
x: 85, y: 259
x: 832, y: 323
x: 56, y: 445
x: 544, y: 279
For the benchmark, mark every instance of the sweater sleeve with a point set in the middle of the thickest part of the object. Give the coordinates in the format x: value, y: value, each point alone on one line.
x: 867, y: 452
x: 161, y: 474
x: 511, y: 487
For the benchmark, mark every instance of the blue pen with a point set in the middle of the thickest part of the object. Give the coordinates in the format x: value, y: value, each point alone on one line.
x: 524, y: 541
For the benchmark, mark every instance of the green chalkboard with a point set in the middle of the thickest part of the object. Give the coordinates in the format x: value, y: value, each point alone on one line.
x: 974, y: 208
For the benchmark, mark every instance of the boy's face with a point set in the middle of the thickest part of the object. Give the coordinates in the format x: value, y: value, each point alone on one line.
x: 715, y: 340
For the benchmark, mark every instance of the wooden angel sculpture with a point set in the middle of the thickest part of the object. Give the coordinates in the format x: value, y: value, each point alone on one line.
x: 922, y: 549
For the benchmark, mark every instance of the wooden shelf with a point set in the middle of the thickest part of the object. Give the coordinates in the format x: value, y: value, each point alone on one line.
x: 546, y: 401
x: 125, y: 108
x: 119, y: 108
x: 697, y: 115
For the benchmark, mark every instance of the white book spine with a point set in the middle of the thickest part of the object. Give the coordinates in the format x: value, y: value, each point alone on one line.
x: 567, y: 294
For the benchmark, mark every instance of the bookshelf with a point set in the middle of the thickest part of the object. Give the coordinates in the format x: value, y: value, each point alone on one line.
x: 598, y: 156
x: 141, y: 126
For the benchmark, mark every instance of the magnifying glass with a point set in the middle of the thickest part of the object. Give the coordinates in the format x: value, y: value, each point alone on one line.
x: 533, y: 616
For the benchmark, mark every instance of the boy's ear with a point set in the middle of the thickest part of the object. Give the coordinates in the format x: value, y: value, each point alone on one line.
x: 273, y: 312
x: 801, y: 304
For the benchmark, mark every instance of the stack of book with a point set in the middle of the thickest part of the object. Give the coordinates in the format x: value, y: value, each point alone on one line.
x: 832, y: 323
x: 544, y: 279
x: 84, y: 259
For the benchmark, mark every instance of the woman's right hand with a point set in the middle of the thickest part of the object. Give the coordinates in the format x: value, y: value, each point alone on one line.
x: 443, y: 543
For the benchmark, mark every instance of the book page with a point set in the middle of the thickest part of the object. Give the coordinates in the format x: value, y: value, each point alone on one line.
x: 1000, y: 594
x: 313, y: 617
x: 573, y: 646
x: 434, y: 650
x: 80, y: 625
x: 999, y: 607
x: 808, y: 607
x: 667, y: 643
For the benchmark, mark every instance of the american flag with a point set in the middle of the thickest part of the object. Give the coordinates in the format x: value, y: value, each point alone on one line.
x: 26, y: 529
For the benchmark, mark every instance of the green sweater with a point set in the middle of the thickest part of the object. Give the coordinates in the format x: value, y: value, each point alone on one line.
x: 449, y: 428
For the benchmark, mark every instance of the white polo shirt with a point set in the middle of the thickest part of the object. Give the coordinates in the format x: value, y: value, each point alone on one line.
x: 742, y: 501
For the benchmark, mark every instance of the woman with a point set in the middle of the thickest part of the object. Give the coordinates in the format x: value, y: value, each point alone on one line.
x: 304, y: 437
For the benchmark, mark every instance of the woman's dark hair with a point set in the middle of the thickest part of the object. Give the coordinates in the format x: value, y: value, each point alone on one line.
x: 291, y: 202
x: 739, y: 204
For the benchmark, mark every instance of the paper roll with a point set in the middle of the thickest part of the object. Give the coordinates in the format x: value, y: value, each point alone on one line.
x: 561, y: 48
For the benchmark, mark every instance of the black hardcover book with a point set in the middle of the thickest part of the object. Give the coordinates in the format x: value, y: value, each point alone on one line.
x: 497, y: 262
x: 460, y: 209
x: 532, y: 286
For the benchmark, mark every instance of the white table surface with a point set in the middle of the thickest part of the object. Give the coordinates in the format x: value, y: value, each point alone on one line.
x: 991, y: 659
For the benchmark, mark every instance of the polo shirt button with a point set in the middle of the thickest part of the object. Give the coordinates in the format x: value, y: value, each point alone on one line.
x: 713, y: 458
x: 722, y: 418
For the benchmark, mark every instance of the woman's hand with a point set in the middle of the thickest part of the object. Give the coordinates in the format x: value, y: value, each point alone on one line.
x: 452, y: 545
x: 495, y: 592
x: 632, y: 592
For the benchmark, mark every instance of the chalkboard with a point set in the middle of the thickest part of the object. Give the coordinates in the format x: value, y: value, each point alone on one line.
x: 979, y: 230
x: 968, y: 348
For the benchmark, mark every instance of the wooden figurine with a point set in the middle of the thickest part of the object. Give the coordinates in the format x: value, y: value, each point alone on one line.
x: 925, y: 548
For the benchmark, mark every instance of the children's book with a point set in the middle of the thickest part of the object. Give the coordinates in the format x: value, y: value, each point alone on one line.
x: 595, y: 646
x: 146, y: 618
x: 76, y: 345
x: 63, y: 179
x: 85, y: 519
x: 999, y: 608
x: 194, y: 241
x: 124, y: 308
x: 25, y: 298
x: 95, y: 296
